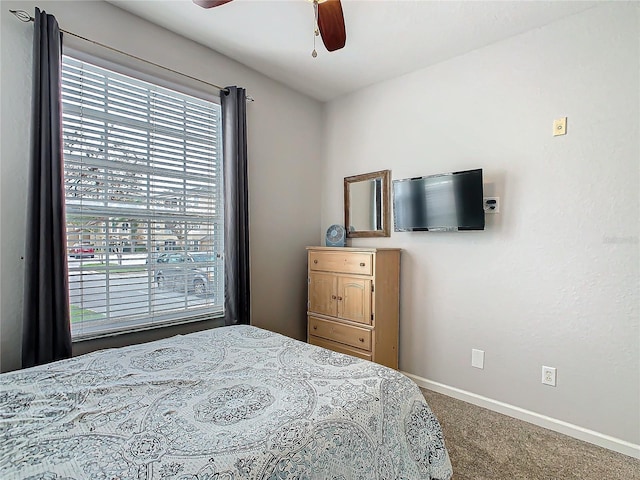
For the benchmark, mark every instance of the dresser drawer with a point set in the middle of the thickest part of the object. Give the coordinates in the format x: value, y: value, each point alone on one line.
x: 347, y: 262
x: 341, y: 333
x: 338, y: 347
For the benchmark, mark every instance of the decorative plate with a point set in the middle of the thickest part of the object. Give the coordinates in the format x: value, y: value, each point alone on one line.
x: 336, y: 236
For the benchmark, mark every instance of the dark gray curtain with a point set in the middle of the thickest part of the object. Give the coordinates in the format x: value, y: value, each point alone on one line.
x: 236, y: 205
x: 46, y: 329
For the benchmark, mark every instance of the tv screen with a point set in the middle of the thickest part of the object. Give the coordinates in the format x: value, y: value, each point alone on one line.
x: 446, y: 202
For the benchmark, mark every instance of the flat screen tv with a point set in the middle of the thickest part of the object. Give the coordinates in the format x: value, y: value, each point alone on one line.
x: 446, y: 202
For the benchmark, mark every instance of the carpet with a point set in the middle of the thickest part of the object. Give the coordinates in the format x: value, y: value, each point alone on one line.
x: 486, y: 445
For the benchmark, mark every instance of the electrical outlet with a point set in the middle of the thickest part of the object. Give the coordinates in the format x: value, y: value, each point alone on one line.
x: 549, y: 376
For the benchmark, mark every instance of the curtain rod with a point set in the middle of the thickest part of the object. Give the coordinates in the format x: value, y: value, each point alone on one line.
x: 26, y: 18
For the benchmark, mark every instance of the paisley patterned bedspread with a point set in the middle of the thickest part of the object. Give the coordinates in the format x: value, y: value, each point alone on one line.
x: 229, y: 403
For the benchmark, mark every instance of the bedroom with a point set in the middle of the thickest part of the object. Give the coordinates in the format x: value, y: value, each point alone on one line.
x: 553, y: 280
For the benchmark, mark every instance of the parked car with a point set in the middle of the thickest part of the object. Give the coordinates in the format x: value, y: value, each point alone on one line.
x: 82, y: 250
x: 195, y: 271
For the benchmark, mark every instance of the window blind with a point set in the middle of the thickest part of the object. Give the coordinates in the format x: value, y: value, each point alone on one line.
x: 144, y: 202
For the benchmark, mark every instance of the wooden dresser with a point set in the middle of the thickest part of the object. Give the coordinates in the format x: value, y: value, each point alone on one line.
x: 353, y: 301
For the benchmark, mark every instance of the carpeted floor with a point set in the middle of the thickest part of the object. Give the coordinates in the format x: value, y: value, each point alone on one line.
x: 485, y: 445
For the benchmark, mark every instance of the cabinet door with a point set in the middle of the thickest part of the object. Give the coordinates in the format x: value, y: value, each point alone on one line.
x: 322, y: 294
x: 354, y: 299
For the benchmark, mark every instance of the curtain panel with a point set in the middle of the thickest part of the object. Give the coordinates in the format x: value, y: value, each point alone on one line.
x: 46, y: 329
x: 236, y: 205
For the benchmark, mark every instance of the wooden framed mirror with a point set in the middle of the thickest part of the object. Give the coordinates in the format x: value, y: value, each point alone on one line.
x: 366, y: 204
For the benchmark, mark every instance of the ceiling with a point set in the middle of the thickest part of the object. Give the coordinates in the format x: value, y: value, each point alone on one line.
x: 385, y: 38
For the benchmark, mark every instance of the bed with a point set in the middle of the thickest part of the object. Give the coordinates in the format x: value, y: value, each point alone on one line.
x: 235, y: 402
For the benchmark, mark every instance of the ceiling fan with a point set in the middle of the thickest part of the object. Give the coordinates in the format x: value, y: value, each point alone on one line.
x: 329, y: 21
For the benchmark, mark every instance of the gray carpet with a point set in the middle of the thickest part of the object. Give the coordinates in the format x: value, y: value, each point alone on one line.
x: 485, y: 445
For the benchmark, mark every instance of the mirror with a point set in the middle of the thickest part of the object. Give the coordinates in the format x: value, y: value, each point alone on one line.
x: 366, y: 204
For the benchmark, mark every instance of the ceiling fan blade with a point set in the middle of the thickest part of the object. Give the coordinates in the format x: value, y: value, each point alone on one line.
x: 210, y: 3
x: 331, y: 24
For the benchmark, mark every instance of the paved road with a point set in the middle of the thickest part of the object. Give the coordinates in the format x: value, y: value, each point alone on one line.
x: 128, y: 294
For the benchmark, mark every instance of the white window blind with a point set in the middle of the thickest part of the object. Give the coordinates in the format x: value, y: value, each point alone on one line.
x: 144, y: 202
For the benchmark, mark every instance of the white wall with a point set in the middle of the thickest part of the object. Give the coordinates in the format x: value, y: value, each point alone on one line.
x: 284, y: 130
x: 554, y: 278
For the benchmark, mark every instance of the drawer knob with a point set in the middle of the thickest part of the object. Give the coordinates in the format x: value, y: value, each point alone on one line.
x: 362, y: 264
x: 361, y: 339
x: 315, y: 261
x: 333, y: 297
x: 339, y: 298
x: 315, y: 327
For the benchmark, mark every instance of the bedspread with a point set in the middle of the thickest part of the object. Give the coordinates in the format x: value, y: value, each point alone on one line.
x: 229, y: 403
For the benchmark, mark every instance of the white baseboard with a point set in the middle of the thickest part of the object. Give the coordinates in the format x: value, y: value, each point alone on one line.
x: 602, y: 440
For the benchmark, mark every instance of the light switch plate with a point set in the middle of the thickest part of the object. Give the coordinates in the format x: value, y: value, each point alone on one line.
x: 560, y: 126
x: 477, y: 358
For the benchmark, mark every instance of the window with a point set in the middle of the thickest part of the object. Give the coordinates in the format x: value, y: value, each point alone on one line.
x: 144, y: 202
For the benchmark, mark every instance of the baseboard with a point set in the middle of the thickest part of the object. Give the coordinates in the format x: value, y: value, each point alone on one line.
x: 606, y: 441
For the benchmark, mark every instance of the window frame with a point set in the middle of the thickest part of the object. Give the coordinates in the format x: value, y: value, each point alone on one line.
x: 172, y: 81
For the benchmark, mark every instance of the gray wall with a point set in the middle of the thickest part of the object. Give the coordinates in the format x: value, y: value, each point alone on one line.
x: 554, y: 278
x: 284, y: 146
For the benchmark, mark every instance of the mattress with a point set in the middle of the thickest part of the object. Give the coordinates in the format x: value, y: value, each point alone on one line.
x: 234, y: 402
